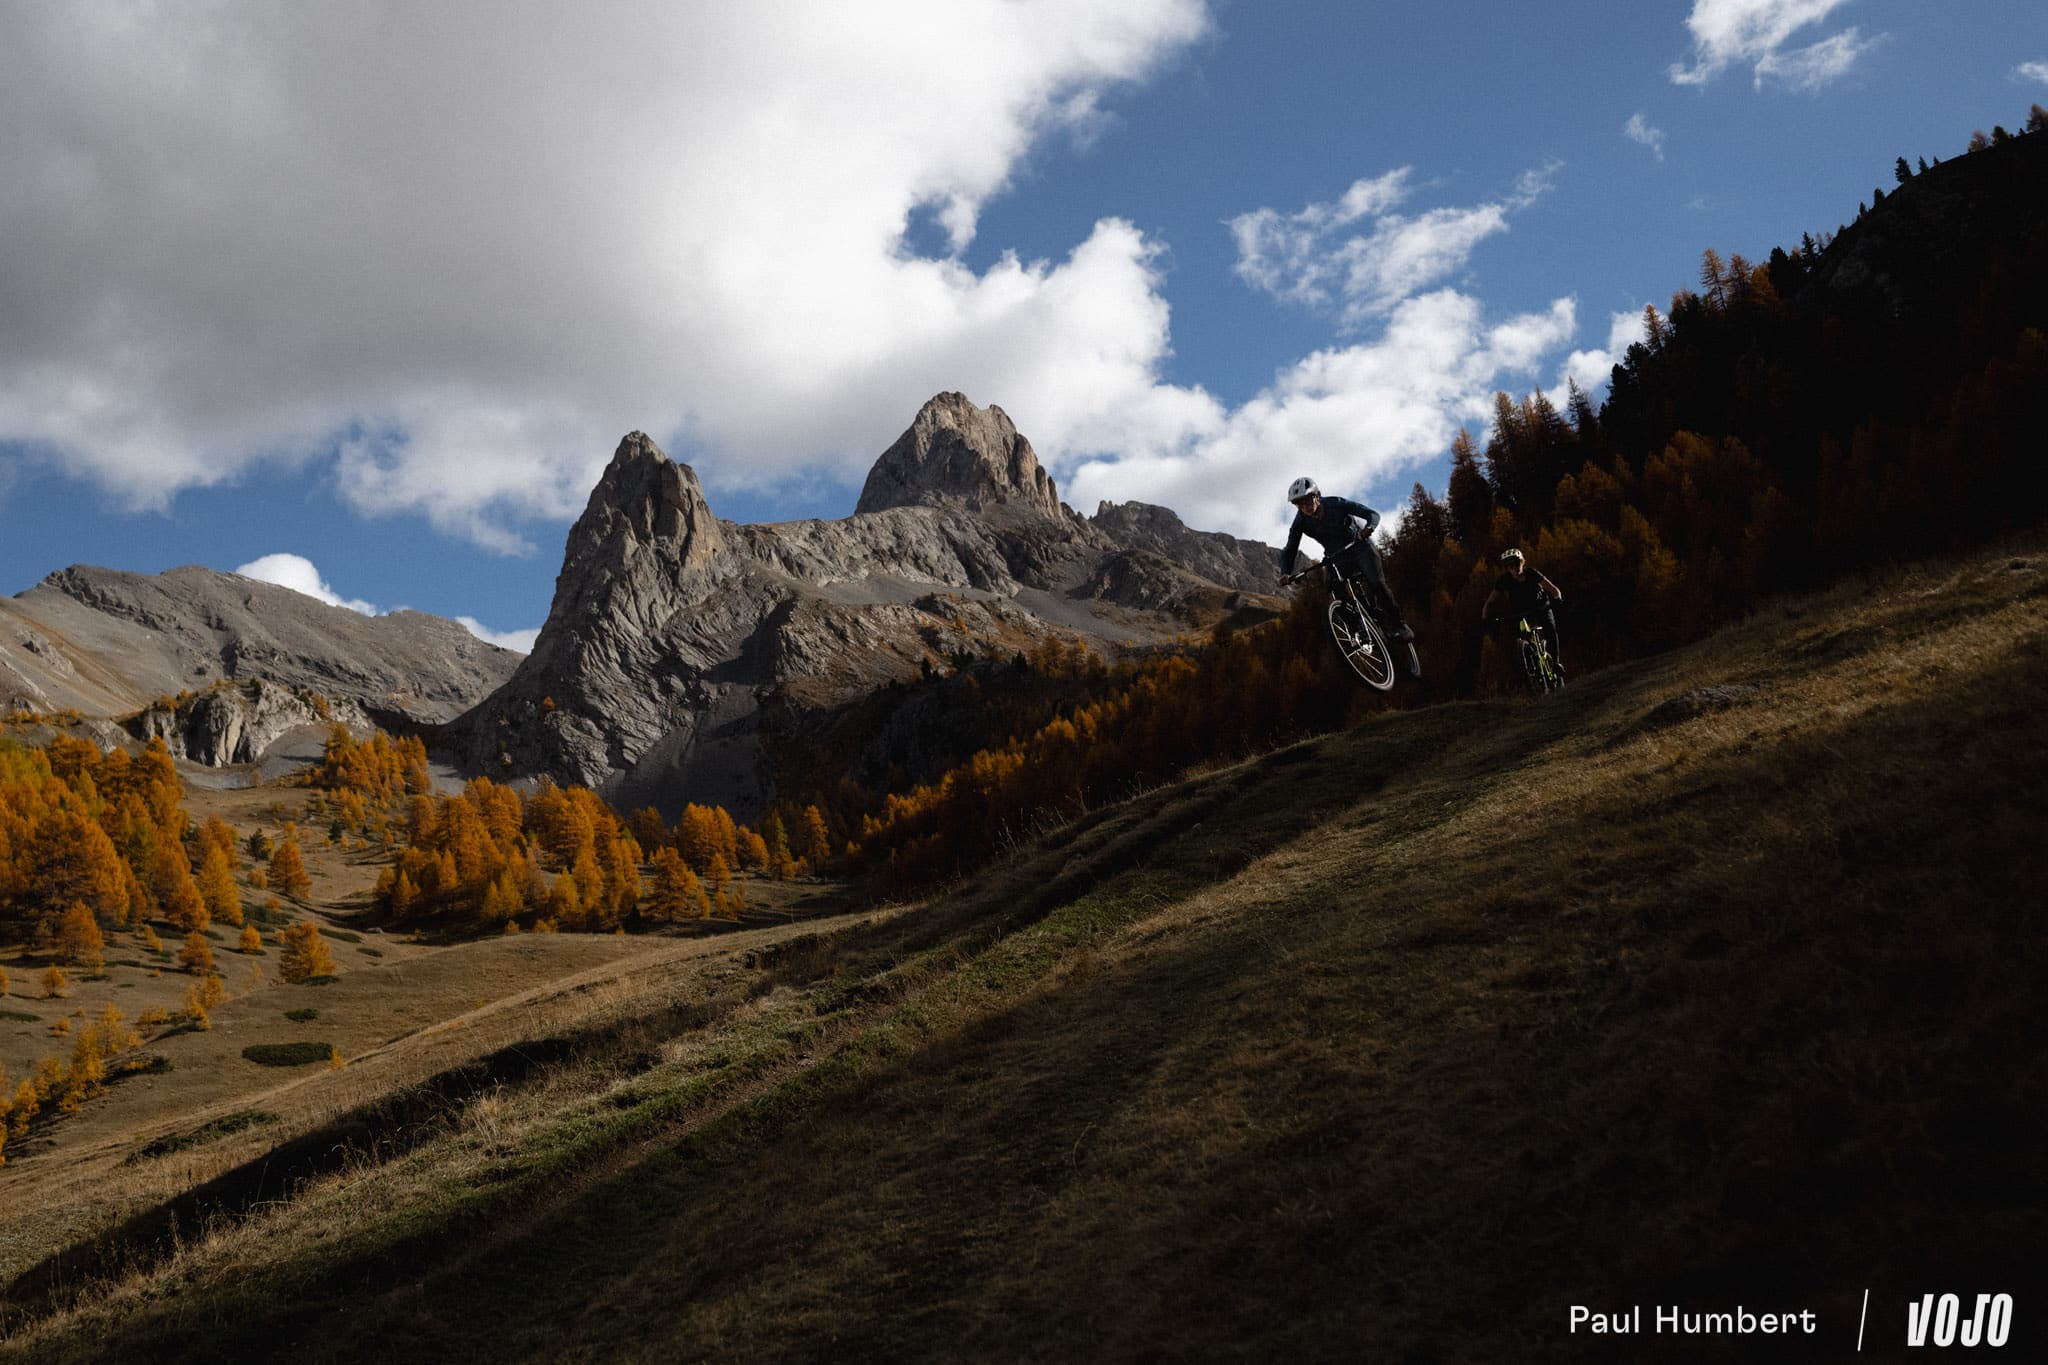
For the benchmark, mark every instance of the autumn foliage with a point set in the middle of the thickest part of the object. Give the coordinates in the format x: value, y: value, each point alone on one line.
x: 559, y: 858
x: 105, y: 833
x: 305, y: 953
x: 1772, y: 431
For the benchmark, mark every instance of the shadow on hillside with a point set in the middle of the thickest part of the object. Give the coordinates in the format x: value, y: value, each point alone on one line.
x: 1756, y: 1027
x: 1783, y: 1054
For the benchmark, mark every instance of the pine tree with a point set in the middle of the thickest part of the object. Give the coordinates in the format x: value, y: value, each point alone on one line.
x: 79, y: 940
x: 196, y: 956
x: 697, y: 836
x: 70, y: 858
x: 185, y: 905
x: 87, y: 1076
x: 305, y: 953
x: 648, y: 828
x: 668, y: 899
x: 288, y: 870
x: 404, y: 895
x: 252, y: 939
x: 815, y: 838
x: 780, y: 862
x: 753, y: 851
x: 565, y: 901
x: 1655, y: 333
x: 27, y: 1104
x: 1471, y: 498
x: 217, y: 883
x: 1713, y: 277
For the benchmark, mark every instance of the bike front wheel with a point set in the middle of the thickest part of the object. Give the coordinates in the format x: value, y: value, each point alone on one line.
x: 1360, y: 642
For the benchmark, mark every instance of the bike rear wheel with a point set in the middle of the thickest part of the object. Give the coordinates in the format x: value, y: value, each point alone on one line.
x: 1360, y: 642
x: 1532, y: 668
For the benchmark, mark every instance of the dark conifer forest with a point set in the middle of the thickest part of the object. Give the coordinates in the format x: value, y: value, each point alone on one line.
x: 1868, y: 395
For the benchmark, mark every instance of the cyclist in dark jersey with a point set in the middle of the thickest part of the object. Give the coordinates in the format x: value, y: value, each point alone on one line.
x: 1528, y: 596
x: 1329, y: 522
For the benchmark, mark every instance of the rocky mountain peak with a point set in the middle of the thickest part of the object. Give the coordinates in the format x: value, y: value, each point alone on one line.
x: 678, y: 644
x: 645, y: 504
x: 955, y: 452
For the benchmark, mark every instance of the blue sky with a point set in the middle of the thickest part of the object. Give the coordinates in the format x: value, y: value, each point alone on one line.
x: 381, y: 288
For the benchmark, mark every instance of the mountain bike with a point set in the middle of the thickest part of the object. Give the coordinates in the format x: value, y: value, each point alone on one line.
x: 1358, y: 623
x: 1540, y: 673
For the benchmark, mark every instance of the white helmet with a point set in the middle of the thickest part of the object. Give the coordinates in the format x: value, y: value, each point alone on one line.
x: 1302, y: 488
x: 1511, y: 556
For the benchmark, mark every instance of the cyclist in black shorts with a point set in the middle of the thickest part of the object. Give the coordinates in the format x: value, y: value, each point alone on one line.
x: 1528, y: 595
x: 1329, y: 522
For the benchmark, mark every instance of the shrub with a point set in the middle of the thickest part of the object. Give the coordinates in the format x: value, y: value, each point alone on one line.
x: 225, y: 1126
x: 200, y: 998
x: 290, y: 1054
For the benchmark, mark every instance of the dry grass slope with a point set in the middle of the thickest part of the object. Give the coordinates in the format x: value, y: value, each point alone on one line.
x: 1392, y: 1045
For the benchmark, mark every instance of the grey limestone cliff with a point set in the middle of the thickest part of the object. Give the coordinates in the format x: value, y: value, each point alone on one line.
x: 109, y: 643
x: 673, y: 635
x: 1246, y: 565
x: 958, y: 453
x: 239, y: 722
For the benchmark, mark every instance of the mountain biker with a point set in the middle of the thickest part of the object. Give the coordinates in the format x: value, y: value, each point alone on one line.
x: 1529, y: 596
x: 1328, y: 522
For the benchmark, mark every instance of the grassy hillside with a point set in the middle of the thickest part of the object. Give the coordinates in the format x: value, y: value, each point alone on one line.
x: 1390, y: 1045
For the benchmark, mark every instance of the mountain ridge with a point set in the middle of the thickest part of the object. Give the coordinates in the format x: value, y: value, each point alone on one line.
x: 674, y: 635
x: 109, y: 642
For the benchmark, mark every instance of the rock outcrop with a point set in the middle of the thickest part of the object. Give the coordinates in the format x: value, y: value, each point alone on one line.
x: 958, y: 453
x: 675, y: 637
x: 239, y: 722
x: 1245, y: 565
x: 107, y: 643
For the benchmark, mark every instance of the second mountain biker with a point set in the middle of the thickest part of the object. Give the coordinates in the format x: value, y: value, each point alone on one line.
x: 1529, y: 596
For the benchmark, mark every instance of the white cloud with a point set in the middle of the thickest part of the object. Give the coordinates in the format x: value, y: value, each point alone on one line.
x: 1591, y: 369
x: 1754, y: 32
x: 1356, y: 418
x: 2032, y: 71
x: 298, y: 573
x: 1822, y: 63
x: 1307, y: 257
x: 1638, y: 129
x: 468, y: 258
x: 519, y: 641
x: 475, y: 253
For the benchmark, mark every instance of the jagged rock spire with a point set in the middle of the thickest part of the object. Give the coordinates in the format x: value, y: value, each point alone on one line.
x: 958, y: 453
x: 644, y: 502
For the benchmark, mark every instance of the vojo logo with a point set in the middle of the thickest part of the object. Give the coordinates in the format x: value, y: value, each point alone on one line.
x: 1942, y: 1319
